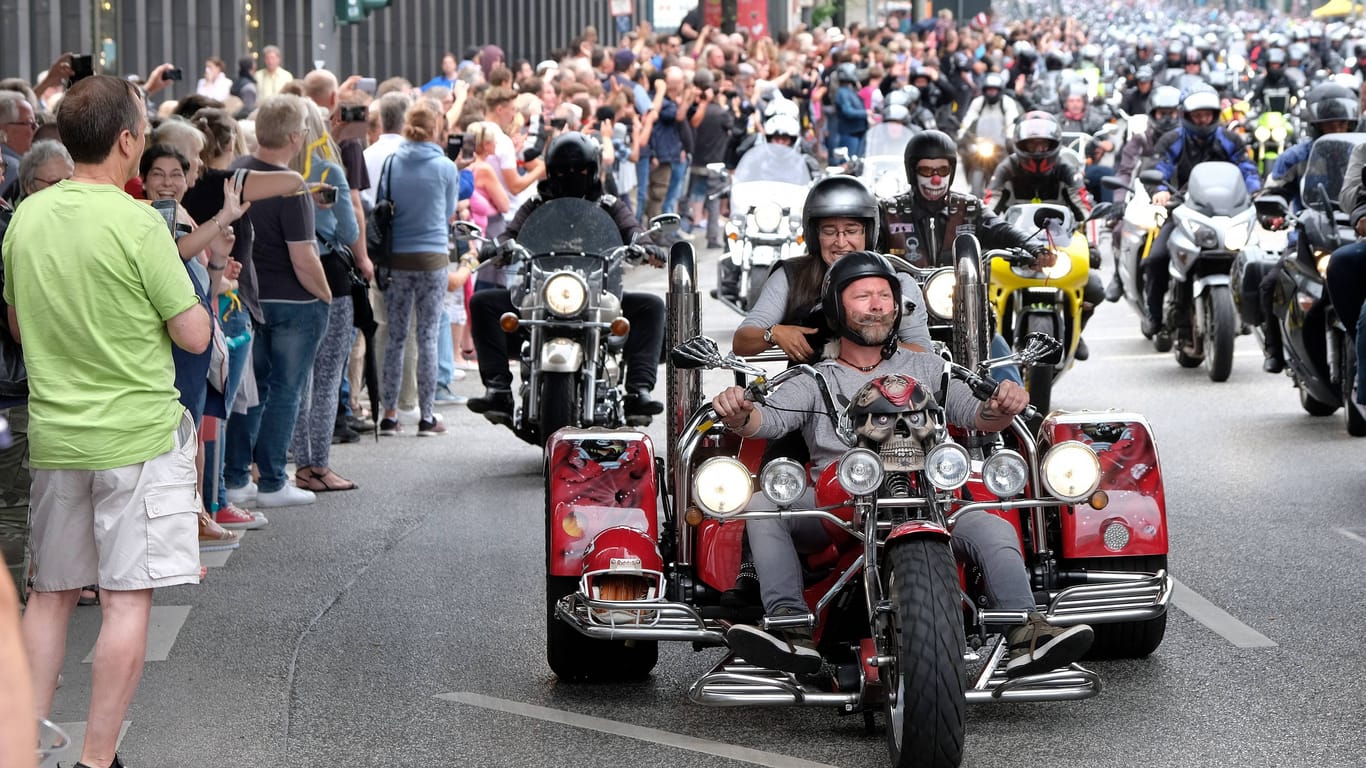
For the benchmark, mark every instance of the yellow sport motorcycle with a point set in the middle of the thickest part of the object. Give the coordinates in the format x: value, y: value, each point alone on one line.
x: 1028, y: 300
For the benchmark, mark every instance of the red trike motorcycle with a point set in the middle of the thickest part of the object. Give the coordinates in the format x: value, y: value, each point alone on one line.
x: 640, y: 547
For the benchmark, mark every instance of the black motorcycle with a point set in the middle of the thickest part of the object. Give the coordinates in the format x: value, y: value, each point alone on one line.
x: 1319, y: 352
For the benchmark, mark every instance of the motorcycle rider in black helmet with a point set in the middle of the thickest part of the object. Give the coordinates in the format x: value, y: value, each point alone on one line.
x: 1038, y: 170
x: 1198, y: 139
x: 1135, y: 100
x: 573, y: 169
x: 1276, y: 78
x: 1333, y: 108
x: 861, y: 302
x: 1140, y: 154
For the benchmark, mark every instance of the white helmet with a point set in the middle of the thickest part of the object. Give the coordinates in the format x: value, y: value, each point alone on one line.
x: 782, y: 106
x: 782, y: 125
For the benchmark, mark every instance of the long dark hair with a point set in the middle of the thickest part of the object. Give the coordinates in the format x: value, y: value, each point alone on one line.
x: 804, y: 277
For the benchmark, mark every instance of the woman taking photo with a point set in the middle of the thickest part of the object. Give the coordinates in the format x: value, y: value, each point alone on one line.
x: 424, y: 204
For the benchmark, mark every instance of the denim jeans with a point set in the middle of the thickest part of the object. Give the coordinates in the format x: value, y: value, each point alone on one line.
x: 234, y: 325
x: 642, y: 186
x: 678, y: 176
x: 282, y: 356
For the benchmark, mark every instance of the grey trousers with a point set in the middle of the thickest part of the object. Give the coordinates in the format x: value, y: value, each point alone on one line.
x: 987, y: 544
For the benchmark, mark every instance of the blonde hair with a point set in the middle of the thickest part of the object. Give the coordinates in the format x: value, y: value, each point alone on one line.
x: 315, y: 128
x: 483, y: 132
x: 422, y: 122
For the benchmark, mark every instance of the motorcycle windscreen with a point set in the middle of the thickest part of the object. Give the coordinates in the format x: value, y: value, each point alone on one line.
x: 991, y: 126
x: 772, y: 162
x: 887, y: 139
x: 569, y: 224
x: 1217, y: 189
x: 1327, y: 164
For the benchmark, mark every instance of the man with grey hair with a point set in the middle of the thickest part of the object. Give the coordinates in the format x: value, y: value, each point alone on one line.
x: 273, y: 77
x: 17, y: 125
x: 293, y: 294
x: 391, y: 107
x: 101, y: 464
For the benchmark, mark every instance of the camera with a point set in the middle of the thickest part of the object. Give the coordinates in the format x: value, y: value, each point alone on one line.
x: 174, y: 73
x: 467, y: 147
x: 455, y: 145
x: 558, y: 123
x: 353, y: 114
x: 366, y: 84
x: 82, y: 66
x: 328, y: 195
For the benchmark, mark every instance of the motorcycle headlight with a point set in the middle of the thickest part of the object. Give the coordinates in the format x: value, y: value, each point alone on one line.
x: 1278, y: 134
x: 1071, y: 471
x: 860, y: 471
x: 887, y: 185
x: 565, y: 294
x: 722, y: 486
x: 783, y: 481
x: 1204, y: 236
x: 1262, y: 133
x: 768, y: 217
x: 1236, y: 237
x: 947, y: 466
x: 939, y: 294
x: 1005, y: 473
x: 985, y: 148
x: 1060, y: 268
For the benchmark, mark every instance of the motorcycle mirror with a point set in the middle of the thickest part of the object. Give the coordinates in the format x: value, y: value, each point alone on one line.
x: 1269, y: 208
x: 1041, y: 349
x: 468, y: 229
x: 1153, y: 176
x: 1113, y: 182
x: 667, y: 223
x: 697, y: 352
x: 1043, y: 216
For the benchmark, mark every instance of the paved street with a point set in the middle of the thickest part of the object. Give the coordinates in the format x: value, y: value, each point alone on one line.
x: 402, y: 624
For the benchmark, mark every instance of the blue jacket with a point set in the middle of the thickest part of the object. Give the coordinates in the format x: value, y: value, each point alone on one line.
x: 1177, y: 154
x: 426, y: 187
x: 336, y: 224
x: 1287, y: 172
x: 851, y: 117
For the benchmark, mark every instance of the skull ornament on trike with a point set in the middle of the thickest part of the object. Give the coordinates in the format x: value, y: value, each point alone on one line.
x: 640, y: 548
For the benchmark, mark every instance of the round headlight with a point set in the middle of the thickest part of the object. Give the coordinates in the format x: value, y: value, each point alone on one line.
x: 722, y: 486
x: 1235, y: 237
x: 939, y: 294
x: 887, y: 185
x: 860, y: 471
x: 1071, y: 471
x: 565, y: 294
x: 985, y: 148
x: 1262, y: 133
x: 768, y: 217
x: 948, y: 466
x: 1060, y: 268
x: 783, y: 481
x: 1005, y: 473
x: 1278, y: 134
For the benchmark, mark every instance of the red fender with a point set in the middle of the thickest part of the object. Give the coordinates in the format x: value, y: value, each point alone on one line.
x: 596, y: 479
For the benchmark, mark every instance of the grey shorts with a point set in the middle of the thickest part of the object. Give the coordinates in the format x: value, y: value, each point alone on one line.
x: 127, y: 528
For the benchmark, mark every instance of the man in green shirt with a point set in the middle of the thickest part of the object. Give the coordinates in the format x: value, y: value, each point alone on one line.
x: 97, y: 294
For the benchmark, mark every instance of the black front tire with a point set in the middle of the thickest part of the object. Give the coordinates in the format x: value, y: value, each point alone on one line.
x: 1039, y: 378
x: 1356, y: 414
x: 1129, y: 639
x: 557, y: 403
x: 575, y: 658
x: 1221, y: 329
x: 1313, y: 406
x: 925, y: 694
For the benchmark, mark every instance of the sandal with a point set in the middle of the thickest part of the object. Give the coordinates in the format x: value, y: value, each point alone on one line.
x: 321, y: 482
x: 90, y: 595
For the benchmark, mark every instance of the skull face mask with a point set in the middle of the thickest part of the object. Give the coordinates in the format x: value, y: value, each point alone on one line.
x: 933, y: 188
x: 894, y: 415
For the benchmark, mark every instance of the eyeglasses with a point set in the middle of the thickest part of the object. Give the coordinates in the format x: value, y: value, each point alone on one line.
x: 32, y: 124
x: 927, y: 172
x: 848, y: 233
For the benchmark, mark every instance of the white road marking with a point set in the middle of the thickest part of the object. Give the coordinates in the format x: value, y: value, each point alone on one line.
x: 162, y: 630
x: 615, y: 728
x: 215, y: 559
x: 1352, y: 535
x: 1218, y: 620
x: 72, y: 753
x: 1155, y: 355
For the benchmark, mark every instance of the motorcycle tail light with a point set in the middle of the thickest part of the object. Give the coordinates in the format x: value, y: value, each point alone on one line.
x: 509, y: 322
x: 621, y: 326
x: 1116, y: 535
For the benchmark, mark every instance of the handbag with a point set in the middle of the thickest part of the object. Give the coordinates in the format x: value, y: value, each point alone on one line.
x: 379, y: 220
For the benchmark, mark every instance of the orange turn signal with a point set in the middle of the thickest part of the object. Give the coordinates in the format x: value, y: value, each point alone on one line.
x: 733, y: 236
x: 1100, y: 500
x: 693, y: 516
x: 510, y: 322
x: 621, y: 326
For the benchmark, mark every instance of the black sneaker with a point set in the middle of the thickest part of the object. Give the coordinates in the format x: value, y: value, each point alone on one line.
x: 1150, y: 327
x: 745, y: 593
x: 430, y: 428
x: 1083, y: 352
x: 1273, y: 363
x: 789, y: 649
x: 344, y: 434
x: 389, y: 427
x: 1037, y: 646
x: 494, y: 401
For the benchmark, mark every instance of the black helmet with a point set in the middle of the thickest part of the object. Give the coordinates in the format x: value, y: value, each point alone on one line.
x: 930, y: 145
x: 1331, y: 102
x: 1054, y: 62
x: 1164, y: 97
x: 844, y: 196
x: 572, y: 167
x: 851, y: 267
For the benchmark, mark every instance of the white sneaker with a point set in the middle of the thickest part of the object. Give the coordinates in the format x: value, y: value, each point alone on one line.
x: 242, y: 496
x: 409, y: 416
x: 288, y: 496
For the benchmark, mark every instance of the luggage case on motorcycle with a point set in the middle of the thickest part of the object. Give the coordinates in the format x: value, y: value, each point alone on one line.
x: 598, y: 479
x: 1249, y: 269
